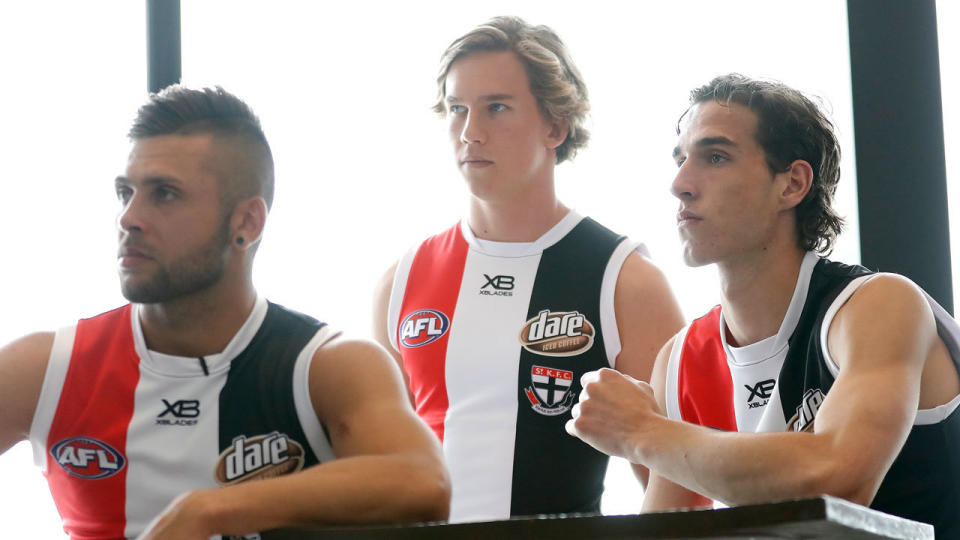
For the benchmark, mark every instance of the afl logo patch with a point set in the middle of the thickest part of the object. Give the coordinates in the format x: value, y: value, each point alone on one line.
x: 261, y: 456
x: 423, y: 327
x: 557, y: 333
x: 86, y: 457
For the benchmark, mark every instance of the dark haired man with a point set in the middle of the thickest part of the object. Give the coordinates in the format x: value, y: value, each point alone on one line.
x: 201, y: 383
x: 841, y: 381
x: 495, y: 319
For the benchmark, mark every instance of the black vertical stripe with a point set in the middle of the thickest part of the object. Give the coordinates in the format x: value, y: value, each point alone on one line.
x: 554, y: 472
x: 257, y: 397
x: 922, y: 483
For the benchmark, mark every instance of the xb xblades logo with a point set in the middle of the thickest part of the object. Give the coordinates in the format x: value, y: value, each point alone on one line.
x: 502, y: 285
x: 760, y: 390
x: 183, y: 411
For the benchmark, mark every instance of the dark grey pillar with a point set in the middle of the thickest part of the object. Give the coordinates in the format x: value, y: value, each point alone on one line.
x: 898, y: 126
x: 163, y: 44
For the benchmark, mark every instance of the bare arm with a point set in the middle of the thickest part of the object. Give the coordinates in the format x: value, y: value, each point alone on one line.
x: 647, y: 315
x: 880, y: 351
x: 389, y: 466
x: 381, y: 304
x: 662, y: 494
x: 22, y: 367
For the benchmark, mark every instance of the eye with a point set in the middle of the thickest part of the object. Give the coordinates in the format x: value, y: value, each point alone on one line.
x: 457, y: 109
x: 497, y: 107
x: 124, y: 193
x: 681, y: 161
x: 164, y: 194
x: 716, y: 158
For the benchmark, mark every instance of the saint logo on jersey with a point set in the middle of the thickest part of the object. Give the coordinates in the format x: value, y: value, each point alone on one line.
x: 423, y: 327
x: 806, y: 411
x: 86, y: 457
x: 549, y: 393
x: 261, y: 456
x: 557, y: 333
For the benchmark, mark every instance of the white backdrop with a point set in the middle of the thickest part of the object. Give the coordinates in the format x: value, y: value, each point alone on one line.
x: 363, y: 167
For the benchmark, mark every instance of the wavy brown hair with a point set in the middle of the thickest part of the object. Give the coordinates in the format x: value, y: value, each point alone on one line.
x: 554, y: 79
x: 790, y: 127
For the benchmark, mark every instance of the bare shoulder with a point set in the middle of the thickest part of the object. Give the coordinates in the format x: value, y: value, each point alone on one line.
x: 385, y: 283
x: 342, y: 356
x: 346, y: 368
x: 647, y: 315
x: 23, y: 364
x: 639, y: 272
x: 885, y: 299
x: 887, y: 318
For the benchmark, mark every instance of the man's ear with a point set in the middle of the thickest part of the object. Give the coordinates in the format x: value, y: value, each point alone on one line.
x: 558, y: 133
x: 247, y: 222
x: 799, y: 180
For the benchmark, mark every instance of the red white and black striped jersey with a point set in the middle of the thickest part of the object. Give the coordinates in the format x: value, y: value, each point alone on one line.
x: 779, y: 383
x: 494, y: 338
x: 120, y: 431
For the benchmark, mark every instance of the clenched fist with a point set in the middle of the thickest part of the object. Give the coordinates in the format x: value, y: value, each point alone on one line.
x: 615, y: 414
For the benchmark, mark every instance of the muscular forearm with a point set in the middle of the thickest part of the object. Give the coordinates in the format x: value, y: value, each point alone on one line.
x: 742, y: 468
x: 354, y: 490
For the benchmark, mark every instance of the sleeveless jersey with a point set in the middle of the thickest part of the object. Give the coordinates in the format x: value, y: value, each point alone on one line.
x: 494, y: 338
x: 779, y: 383
x: 120, y: 431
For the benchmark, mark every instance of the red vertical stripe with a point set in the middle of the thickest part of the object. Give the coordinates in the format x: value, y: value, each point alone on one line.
x: 704, y: 383
x: 96, y: 403
x: 433, y: 284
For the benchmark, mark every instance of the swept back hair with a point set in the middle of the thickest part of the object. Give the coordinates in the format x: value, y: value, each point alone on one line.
x: 555, y: 81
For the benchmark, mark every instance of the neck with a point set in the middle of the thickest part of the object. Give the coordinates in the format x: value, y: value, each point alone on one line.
x: 200, y: 324
x: 755, y: 292
x: 516, y: 219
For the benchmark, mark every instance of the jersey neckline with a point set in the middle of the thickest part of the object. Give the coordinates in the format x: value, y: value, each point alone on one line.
x: 772, y: 346
x: 186, y: 366
x: 521, y: 249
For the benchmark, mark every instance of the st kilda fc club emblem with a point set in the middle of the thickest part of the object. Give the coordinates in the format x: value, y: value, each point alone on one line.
x: 549, y: 392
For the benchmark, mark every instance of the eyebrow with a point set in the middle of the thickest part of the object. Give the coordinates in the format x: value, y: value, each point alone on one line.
x: 488, y: 97
x: 707, y: 141
x: 153, y: 180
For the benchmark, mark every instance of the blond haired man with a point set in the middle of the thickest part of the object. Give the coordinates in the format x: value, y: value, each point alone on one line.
x: 495, y: 319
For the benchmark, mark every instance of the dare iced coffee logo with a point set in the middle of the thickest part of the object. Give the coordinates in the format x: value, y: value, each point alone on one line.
x: 261, y: 456
x: 560, y: 333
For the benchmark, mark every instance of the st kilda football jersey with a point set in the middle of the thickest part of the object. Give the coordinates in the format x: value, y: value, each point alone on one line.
x: 779, y: 383
x: 120, y: 431
x: 494, y: 338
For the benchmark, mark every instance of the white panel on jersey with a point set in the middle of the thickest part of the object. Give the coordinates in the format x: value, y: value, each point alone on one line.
x: 53, y: 380
x: 173, y: 437
x: 301, y: 396
x: 755, y: 368
x: 608, y: 288
x: 398, y: 291
x: 166, y: 450
x: 481, y: 377
x: 670, y: 396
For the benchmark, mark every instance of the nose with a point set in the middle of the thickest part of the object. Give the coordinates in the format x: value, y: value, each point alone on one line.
x: 683, y: 186
x: 472, y: 131
x: 130, y: 218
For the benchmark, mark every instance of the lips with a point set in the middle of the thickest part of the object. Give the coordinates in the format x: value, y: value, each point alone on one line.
x: 686, y: 216
x: 475, y: 161
x: 129, y: 256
